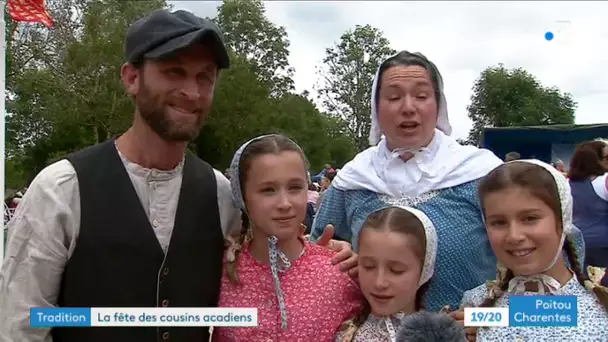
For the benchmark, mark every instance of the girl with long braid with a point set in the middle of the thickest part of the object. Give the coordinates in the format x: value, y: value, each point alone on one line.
x: 299, y: 294
x: 527, y: 208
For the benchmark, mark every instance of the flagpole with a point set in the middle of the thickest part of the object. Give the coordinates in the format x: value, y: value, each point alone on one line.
x: 2, y: 119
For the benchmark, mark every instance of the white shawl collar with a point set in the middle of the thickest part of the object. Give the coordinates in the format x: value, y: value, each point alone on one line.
x: 444, y: 163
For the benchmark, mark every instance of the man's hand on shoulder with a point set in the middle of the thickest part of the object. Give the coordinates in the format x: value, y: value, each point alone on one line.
x: 345, y: 257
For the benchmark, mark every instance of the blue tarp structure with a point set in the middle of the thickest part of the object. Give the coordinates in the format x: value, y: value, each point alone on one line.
x: 546, y: 143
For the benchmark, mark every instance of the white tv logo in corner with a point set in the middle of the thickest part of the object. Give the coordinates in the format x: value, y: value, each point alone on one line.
x: 563, y: 32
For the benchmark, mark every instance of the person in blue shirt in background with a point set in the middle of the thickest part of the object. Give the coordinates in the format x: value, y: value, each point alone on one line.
x: 317, y: 178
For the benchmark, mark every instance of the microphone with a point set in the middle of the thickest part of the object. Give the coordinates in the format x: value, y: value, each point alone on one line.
x: 425, y: 326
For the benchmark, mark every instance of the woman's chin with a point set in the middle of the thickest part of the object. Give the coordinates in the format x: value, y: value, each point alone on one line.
x: 413, y: 142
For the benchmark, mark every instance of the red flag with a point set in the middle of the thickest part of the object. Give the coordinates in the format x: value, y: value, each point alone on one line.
x: 31, y: 11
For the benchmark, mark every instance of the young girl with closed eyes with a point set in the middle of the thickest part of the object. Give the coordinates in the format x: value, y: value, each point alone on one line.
x: 397, y: 251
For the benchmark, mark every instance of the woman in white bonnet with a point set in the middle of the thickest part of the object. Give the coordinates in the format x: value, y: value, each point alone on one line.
x: 414, y: 162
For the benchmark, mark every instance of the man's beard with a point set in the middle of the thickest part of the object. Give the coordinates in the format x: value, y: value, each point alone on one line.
x: 152, y: 110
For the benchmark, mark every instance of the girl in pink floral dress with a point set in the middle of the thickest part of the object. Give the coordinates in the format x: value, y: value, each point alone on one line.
x: 299, y: 294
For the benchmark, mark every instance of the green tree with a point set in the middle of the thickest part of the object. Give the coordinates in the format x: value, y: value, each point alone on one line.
x: 321, y: 136
x: 513, y: 97
x: 243, y: 108
x: 15, y: 177
x: 340, y: 144
x: 346, y: 78
x: 65, y: 93
x: 33, y: 95
x: 63, y: 89
x: 240, y: 104
x: 255, y: 95
x: 250, y: 34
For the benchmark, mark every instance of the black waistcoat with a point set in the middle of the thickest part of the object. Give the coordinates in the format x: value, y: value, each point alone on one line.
x: 118, y: 261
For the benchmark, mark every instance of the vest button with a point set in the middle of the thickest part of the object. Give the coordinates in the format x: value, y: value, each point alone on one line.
x: 166, y: 271
x: 165, y: 303
x: 166, y: 335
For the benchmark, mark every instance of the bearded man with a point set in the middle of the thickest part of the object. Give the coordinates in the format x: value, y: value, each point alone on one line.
x: 136, y: 221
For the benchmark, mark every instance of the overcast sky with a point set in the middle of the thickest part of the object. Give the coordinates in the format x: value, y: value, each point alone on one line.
x: 462, y: 39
